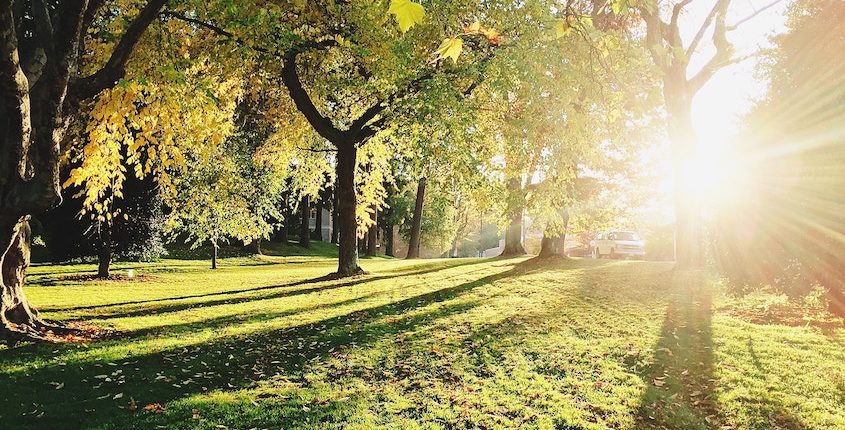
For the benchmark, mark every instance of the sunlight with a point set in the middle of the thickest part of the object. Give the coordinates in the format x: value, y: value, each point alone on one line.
x: 715, y: 178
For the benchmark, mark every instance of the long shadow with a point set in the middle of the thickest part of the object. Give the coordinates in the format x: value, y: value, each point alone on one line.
x: 178, y: 307
x: 92, y: 392
x: 679, y: 382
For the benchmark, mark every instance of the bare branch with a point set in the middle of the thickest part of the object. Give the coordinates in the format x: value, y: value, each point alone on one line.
x: 736, y: 25
x: 676, y: 12
x: 720, y: 5
x: 218, y: 30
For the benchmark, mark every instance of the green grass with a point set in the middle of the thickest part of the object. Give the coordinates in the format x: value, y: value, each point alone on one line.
x: 465, y: 343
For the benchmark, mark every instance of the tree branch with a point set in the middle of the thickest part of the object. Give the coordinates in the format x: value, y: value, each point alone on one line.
x: 720, y: 5
x: 723, y: 54
x: 736, y: 25
x: 290, y: 76
x: 216, y: 29
x: 676, y: 12
x: 115, y: 68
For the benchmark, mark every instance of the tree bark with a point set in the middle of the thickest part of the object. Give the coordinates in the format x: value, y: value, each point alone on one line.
x: 334, y: 215
x: 214, y: 253
x: 347, y: 222
x: 104, y: 253
x: 255, y: 246
x: 304, y: 231
x: 688, y: 222
x: 388, y: 233
x: 416, y: 224
x: 553, y: 243
x: 513, y: 234
x: 18, y: 319
x: 318, y: 227
x: 283, y: 232
x: 372, y: 237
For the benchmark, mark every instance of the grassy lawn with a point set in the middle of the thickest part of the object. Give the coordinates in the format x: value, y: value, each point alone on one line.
x: 516, y: 343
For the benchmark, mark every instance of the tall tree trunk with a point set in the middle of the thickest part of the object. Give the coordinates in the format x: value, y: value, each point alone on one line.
x: 304, y: 230
x: 283, y: 232
x: 104, y: 252
x: 388, y: 233
x: 255, y: 246
x: 513, y: 234
x: 347, y: 264
x: 214, y: 253
x: 688, y: 222
x: 416, y: 224
x: 318, y: 227
x: 372, y: 237
x: 334, y: 215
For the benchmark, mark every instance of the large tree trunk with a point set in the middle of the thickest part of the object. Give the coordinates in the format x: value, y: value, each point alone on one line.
x: 318, y: 227
x: 304, y: 230
x: 372, y: 237
x: 334, y: 215
x: 416, y: 224
x: 513, y: 234
x: 688, y: 222
x: 18, y: 320
x: 104, y: 253
x: 347, y: 222
x: 553, y: 243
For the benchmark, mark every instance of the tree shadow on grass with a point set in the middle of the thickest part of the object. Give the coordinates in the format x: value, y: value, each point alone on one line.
x: 146, y: 310
x: 91, y: 393
x: 679, y: 382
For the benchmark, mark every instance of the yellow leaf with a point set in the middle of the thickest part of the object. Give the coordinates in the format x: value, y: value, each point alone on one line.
x: 407, y: 13
x: 491, y: 35
x: 475, y: 27
x: 450, y: 48
x: 562, y: 28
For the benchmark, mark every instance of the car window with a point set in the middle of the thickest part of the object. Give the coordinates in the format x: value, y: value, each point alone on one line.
x: 625, y: 235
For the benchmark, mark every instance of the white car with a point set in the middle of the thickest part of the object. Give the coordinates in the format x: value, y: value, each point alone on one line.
x: 618, y: 244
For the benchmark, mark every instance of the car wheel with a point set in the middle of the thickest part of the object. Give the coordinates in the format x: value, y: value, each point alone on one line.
x: 613, y: 255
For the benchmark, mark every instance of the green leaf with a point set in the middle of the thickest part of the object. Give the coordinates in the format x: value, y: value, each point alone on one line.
x: 407, y: 13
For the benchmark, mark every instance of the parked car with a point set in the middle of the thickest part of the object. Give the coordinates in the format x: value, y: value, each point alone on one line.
x: 618, y: 244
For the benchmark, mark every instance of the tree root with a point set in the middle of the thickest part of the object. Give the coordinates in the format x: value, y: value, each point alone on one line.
x: 39, y: 330
x: 357, y: 271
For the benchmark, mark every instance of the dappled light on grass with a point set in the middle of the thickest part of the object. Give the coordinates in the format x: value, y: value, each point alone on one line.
x: 513, y: 343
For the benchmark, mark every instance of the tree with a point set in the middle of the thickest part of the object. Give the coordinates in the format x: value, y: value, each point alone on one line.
x: 323, y: 52
x: 39, y: 93
x: 673, y: 57
x: 228, y: 193
x: 792, y: 148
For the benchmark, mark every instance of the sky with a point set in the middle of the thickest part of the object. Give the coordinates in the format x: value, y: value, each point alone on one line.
x: 718, y: 107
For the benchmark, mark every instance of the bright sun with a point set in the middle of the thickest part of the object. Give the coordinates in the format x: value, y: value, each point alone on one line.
x: 715, y: 177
